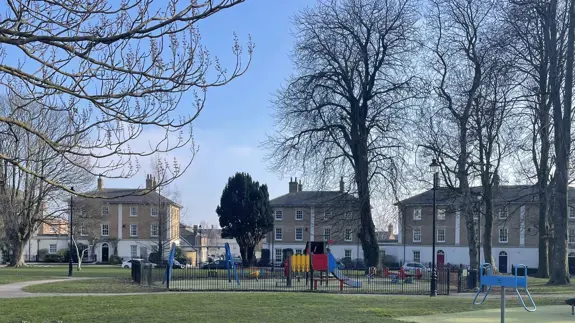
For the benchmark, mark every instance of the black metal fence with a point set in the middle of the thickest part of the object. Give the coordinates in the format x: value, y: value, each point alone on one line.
x: 275, y: 279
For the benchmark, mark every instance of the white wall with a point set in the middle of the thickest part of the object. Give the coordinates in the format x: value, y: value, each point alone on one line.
x: 338, y: 251
x: 460, y: 255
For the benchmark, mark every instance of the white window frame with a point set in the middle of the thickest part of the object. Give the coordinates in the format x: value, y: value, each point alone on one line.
x: 279, y: 215
x: 53, y: 228
x: 107, y: 226
x: 571, y: 235
x: 281, y: 234
x: 134, y: 251
x: 157, y: 226
x: 347, y: 234
x: 503, y: 212
x: 300, y: 229
x: 50, y: 248
x: 299, y: 215
x: 416, y: 230
x: 326, y: 234
x: 417, y: 214
x: 154, y: 211
x: 83, y: 232
x: 345, y: 252
x: 441, y: 214
x: 506, y: 235
x: 438, y: 235
x: 418, y: 258
x: 571, y: 212
x: 133, y: 211
x: 278, y: 255
x: 105, y: 211
x: 133, y: 225
x: 326, y: 215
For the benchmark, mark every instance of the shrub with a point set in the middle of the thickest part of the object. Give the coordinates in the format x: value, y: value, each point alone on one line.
x: 42, y: 254
x: 115, y: 260
x: 52, y: 257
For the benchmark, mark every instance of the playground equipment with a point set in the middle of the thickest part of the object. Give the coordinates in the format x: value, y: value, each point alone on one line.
x: 230, y: 263
x: 316, y: 258
x: 489, y: 280
x: 168, y: 273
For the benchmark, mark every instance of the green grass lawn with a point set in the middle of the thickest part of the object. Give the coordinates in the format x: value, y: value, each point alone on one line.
x: 101, y: 285
x: 42, y: 272
x: 234, y: 307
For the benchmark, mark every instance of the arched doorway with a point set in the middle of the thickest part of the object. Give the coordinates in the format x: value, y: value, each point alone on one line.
x: 105, y: 252
x: 571, y: 258
x: 503, y: 262
x: 440, y: 258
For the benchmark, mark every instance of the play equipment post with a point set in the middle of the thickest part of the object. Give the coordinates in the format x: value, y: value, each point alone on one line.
x: 489, y: 280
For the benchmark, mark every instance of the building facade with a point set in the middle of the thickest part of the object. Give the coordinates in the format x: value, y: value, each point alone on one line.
x: 302, y: 216
x: 514, y: 235
x: 129, y: 223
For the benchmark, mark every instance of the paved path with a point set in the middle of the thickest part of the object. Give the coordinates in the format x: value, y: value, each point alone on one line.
x: 16, y: 290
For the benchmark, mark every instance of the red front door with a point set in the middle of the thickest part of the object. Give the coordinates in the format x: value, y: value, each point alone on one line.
x: 440, y: 259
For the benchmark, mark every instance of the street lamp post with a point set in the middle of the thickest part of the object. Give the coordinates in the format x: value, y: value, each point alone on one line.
x: 434, y: 168
x: 201, y: 247
x: 71, y: 237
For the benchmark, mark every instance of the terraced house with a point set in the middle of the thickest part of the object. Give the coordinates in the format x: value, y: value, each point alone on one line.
x: 302, y: 216
x: 514, y: 235
x: 125, y: 222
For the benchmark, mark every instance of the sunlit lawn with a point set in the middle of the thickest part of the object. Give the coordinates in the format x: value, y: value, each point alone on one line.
x: 42, y: 272
x: 235, y: 307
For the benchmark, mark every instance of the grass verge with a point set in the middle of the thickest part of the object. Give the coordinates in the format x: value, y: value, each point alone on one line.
x: 41, y: 272
x: 235, y: 307
x: 102, y: 285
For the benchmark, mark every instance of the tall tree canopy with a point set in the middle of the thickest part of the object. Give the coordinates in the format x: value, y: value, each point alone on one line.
x: 116, y: 69
x: 344, y: 110
x: 245, y: 213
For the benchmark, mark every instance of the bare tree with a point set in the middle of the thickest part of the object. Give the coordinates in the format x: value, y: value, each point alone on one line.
x: 115, y: 69
x: 342, y: 112
x: 461, y: 49
x: 526, y: 32
x: 27, y: 201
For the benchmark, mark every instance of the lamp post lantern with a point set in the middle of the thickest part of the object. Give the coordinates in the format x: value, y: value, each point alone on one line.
x: 434, y: 169
x: 71, y: 232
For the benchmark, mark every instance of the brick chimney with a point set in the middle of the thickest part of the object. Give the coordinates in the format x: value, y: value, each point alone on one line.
x: 149, y: 181
x: 299, y: 187
x: 100, y: 183
x: 292, y: 185
x: 341, y: 184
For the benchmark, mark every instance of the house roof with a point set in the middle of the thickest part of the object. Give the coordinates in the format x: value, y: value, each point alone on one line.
x: 132, y: 196
x: 309, y: 198
x: 503, y: 194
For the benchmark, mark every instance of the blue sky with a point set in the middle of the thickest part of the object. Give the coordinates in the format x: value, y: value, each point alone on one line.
x: 237, y: 116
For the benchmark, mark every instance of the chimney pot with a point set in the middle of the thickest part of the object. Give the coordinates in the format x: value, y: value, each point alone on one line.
x: 293, y: 186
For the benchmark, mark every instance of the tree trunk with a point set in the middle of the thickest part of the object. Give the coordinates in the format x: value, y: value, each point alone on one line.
x: 17, y: 259
x: 367, y: 228
x: 543, y: 270
x: 488, y: 233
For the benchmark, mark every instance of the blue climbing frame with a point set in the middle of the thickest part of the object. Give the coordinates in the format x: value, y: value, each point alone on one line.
x: 230, y: 263
x: 489, y: 280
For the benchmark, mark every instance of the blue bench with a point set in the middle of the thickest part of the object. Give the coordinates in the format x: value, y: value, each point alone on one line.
x: 488, y: 280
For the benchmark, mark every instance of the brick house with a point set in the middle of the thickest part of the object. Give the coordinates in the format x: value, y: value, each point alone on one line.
x: 122, y: 219
x: 514, y: 235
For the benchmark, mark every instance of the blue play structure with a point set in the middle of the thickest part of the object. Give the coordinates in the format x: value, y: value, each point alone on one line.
x: 168, y: 274
x: 230, y: 263
x: 489, y: 280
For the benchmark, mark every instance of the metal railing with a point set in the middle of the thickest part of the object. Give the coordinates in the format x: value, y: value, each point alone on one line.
x: 264, y: 279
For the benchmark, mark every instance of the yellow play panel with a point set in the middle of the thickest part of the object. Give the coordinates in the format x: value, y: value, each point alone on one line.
x: 555, y: 314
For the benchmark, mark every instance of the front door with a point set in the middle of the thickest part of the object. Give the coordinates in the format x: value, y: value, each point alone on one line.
x: 503, y: 262
x: 572, y: 263
x: 440, y: 258
x: 105, y: 252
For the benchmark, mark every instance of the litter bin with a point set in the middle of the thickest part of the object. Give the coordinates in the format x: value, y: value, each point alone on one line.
x: 472, y: 279
x: 136, y: 271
